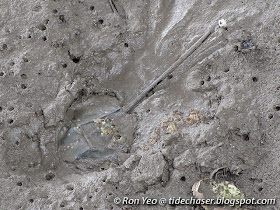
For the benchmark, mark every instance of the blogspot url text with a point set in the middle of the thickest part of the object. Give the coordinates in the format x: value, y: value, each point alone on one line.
x: 192, y: 201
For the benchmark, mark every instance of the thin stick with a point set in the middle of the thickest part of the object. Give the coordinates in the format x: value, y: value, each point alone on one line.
x: 127, y: 108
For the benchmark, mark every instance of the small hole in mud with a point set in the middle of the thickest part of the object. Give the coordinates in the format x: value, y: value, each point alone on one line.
x: 90, y: 197
x: 100, y: 21
x: 104, y: 180
x: 44, y: 38
x: 255, y: 79
x: 42, y: 27
x: 227, y: 70
x: 202, y: 83
x: 125, y: 44
x: 102, y: 169
x: 62, y: 18
x: 17, y: 143
x: 270, y: 116
x: 260, y: 189
x: 25, y: 60
x: 277, y: 107
x: 76, y: 60
x: 170, y: 76
x: 83, y: 92
x: 19, y: 183
x: 64, y: 65
x: 49, y: 176
x: 183, y: 178
x: 23, y: 86
x: 23, y: 76
x: 31, y: 165
x: 81, y: 208
x: 31, y: 200
x: 116, y: 188
x: 2, y: 74
x: 245, y: 137
x: 10, y: 121
x: 91, y: 7
x: 208, y: 78
x: 70, y: 187
x: 148, y: 110
x: 1, y: 109
x: 4, y: 46
x: 11, y: 108
x: 55, y: 11
x: 62, y: 205
x: 46, y: 21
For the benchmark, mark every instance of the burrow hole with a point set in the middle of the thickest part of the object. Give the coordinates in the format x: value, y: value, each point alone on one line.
x: 246, y: 137
x: 277, y: 107
x: 42, y: 27
x: 255, y: 79
x: 11, y: 108
x: 19, y: 184
x: 270, y: 116
x: 183, y: 178
x: 23, y: 86
x: 23, y: 76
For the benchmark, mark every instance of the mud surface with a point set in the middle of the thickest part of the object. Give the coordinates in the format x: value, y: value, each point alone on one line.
x: 66, y: 63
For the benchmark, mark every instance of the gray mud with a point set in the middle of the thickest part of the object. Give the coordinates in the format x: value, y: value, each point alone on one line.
x: 66, y: 63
